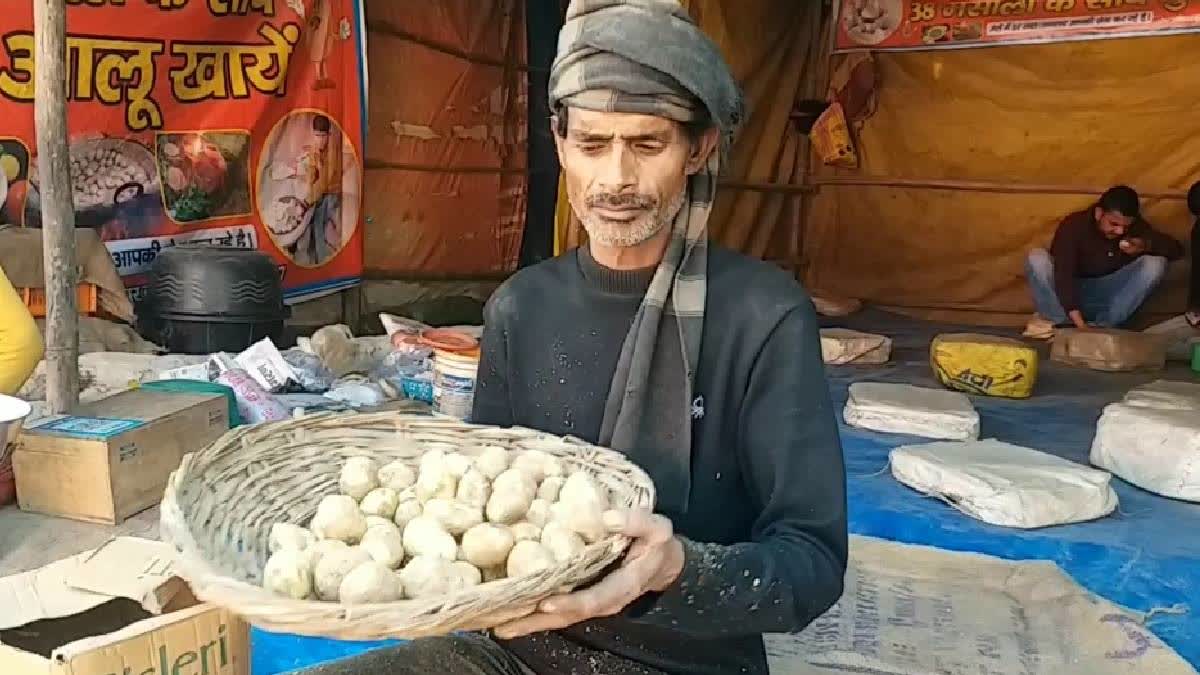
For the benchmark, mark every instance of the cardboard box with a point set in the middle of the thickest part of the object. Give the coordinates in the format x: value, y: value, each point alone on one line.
x: 118, y: 610
x: 111, y: 459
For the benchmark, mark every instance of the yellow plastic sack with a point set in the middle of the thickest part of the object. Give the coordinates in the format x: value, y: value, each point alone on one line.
x: 984, y: 364
x: 831, y: 138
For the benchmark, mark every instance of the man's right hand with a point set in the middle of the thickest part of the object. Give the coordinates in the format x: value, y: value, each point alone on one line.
x: 1079, y: 321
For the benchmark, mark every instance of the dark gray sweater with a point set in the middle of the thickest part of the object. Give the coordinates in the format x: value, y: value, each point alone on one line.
x: 765, y: 529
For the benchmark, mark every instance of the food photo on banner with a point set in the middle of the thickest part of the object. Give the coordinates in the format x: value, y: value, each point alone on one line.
x: 939, y: 24
x: 230, y: 122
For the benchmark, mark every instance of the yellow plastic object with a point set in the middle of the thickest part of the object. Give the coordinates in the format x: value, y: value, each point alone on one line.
x: 984, y: 364
x: 831, y: 138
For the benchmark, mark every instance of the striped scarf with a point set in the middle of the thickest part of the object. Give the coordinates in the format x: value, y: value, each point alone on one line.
x: 647, y: 57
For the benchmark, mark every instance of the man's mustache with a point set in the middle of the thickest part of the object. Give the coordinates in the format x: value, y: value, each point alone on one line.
x: 608, y: 200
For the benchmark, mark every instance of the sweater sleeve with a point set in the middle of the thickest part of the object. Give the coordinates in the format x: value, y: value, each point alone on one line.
x: 791, y: 571
x: 1160, y: 243
x: 1064, y: 251
x: 492, y: 404
x: 20, y: 341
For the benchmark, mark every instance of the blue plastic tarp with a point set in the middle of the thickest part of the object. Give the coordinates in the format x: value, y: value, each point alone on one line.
x: 1145, y: 557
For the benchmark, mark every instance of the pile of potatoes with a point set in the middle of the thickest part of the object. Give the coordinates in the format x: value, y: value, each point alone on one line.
x: 97, y: 170
x: 455, y: 522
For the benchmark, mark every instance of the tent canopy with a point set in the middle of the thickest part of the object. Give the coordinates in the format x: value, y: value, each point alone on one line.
x: 1044, y: 128
x: 1085, y: 114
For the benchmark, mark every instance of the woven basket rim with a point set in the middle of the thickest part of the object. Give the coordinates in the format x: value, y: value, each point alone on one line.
x: 413, y: 617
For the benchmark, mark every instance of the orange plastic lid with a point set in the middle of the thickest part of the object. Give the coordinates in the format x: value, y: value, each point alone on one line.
x: 447, y: 340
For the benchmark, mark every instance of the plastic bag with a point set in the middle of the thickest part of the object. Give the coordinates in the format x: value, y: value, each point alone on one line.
x: 398, y: 325
x: 254, y: 403
x: 357, y: 392
x: 309, y: 403
x: 342, y: 353
x: 334, y: 344
x: 831, y: 138
x: 407, y: 372
x: 266, y: 365
x: 311, y: 374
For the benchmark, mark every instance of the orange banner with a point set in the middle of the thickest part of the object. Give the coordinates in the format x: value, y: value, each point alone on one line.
x: 230, y: 122
x: 917, y: 24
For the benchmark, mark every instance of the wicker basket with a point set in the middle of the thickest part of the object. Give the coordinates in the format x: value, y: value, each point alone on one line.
x: 220, y: 505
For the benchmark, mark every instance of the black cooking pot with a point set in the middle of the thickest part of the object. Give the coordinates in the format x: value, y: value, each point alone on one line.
x: 205, y: 299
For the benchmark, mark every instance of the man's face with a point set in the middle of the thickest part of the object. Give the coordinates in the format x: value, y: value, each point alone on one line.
x: 1113, y: 224
x: 322, y: 138
x: 626, y: 173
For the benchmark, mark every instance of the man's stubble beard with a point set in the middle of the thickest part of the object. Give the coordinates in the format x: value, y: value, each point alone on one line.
x: 638, y: 231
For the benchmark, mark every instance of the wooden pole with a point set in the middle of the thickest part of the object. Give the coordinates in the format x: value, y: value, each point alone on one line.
x: 58, y: 208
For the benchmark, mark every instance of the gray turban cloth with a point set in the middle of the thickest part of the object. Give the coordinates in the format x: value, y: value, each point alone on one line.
x: 648, y: 57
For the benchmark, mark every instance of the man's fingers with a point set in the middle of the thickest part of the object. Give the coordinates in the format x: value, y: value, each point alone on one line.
x: 610, y: 595
x: 639, y: 524
x: 645, y: 528
x: 499, y: 618
x: 538, y: 622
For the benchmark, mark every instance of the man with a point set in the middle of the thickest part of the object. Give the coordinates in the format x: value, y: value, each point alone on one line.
x: 317, y: 176
x: 1103, y: 263
x: 699, y: 364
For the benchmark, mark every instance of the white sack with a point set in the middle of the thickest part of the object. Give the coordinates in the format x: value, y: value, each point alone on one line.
x: 1165, y: 394
x: 840, y: 346
x: 1155, y: 449
x: 1180, y: 337
x: 905, y: 409
x: 102, y: 374
x: 912, y: 610
x: 1005, y: 484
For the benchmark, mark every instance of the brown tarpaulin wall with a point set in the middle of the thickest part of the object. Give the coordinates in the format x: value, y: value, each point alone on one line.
x: 445, y: 166
x: 443, y: 198
x: 1087, y: 114
x: 776, y: 52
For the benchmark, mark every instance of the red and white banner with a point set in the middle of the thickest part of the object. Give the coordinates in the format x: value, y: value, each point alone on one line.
x: 235, y: 122
x: 949, y: 24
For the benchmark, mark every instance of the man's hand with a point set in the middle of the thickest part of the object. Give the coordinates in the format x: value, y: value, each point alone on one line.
x: 1078, y: 320
x: 653, y: 562
x: 1133, y: 246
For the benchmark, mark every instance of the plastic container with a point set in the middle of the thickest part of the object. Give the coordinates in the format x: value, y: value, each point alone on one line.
x: 1196, y: 357
x: 454, y: 379
x: 87, y: 300
x: 450, y: 341
x: 13, y: 412
x: 417, y: 389
x: 203, y: 299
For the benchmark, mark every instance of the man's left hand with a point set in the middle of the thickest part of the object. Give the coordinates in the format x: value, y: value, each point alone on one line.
x: 1133, y: 246
x: 654, y: 560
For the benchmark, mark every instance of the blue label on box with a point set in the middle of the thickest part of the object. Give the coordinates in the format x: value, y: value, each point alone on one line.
x: 88, y: 427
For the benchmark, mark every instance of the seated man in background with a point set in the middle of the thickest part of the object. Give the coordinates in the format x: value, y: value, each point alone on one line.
x: 1102, y: 265
x: 20, y: 341
x: 1193, y: 313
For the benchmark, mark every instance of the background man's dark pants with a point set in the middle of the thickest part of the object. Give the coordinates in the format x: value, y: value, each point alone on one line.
x: 1194, y: 296
x: 458, y: 655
